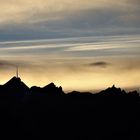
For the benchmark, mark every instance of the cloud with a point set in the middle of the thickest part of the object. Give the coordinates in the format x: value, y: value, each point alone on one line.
x: 10, y: 64
x: 24, y: 11
x: 23, y: 19
x: 101, y: 64
x: 4, y: 63
x: 79, y: 47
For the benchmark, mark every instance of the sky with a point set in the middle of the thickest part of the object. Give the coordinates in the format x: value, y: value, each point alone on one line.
x: 84, y: 45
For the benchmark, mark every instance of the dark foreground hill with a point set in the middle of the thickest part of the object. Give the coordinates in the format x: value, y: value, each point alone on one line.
x: 48, y: 113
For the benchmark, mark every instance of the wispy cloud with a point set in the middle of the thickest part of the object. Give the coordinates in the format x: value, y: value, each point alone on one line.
x: 4, y: 63
x: 11, y: 63
x: 74, y: 47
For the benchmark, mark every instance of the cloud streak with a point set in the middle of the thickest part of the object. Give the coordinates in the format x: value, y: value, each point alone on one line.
x: 11, y: 63
x: 73, y: 47
x: 4, y: 63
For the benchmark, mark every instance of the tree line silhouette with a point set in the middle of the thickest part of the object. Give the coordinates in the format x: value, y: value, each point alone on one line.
x: 49, y: 113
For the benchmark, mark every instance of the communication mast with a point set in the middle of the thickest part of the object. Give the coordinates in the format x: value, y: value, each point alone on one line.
x: 17, y: 72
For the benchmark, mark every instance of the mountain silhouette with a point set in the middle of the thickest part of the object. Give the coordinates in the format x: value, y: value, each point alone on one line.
x: 16, y: 84
x: 50, y: 113
x: 48, y: 90
x: 113, y: 91
x: 14, y: 90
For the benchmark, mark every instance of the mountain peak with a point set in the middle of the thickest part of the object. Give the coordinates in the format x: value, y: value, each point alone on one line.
x: 13, y: 80
x: 16, y: 83
x: 113, y: 91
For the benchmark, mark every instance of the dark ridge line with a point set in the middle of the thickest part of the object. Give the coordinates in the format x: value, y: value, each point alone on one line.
x: 15, y: 84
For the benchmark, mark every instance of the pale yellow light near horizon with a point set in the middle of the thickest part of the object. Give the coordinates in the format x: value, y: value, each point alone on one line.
x: 80, y: 78
x: 81, y: 82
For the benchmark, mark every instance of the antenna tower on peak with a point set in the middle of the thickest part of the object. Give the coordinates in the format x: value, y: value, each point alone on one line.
x: 17, y: 72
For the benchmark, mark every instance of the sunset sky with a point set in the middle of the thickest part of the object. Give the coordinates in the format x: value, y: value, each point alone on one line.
x: 84, y: 45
